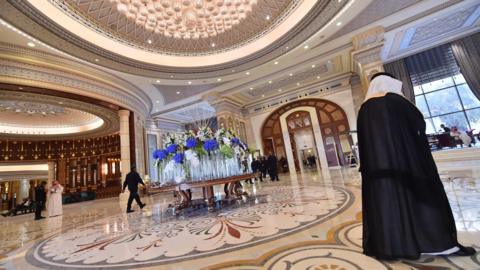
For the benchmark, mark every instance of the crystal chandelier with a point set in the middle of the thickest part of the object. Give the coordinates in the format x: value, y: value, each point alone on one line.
x: 185, y: 19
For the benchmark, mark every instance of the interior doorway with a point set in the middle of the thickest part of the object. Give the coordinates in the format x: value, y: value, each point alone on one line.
x: 334, y: 129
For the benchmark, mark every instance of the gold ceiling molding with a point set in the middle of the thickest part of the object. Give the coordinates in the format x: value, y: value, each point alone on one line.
x: 36, y: 68
x: 109, y: 117
x: 25, y: 17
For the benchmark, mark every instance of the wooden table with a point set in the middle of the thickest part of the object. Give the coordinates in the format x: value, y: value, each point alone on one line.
x: 184, y: 196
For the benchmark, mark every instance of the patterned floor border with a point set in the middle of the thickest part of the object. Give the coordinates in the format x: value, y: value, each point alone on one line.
x: 341, y: 250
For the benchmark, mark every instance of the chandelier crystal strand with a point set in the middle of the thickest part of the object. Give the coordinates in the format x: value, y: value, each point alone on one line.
x: 185, y: 19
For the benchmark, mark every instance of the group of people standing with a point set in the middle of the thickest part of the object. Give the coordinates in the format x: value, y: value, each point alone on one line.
x: 263, y: 165
x: 53, y: 200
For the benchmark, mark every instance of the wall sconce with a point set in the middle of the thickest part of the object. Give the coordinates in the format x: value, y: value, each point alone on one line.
x: 105, y: 169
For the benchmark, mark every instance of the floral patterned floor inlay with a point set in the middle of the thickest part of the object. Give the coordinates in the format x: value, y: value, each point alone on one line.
x: 136, y: 240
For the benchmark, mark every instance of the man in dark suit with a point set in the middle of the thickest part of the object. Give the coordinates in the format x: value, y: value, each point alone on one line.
x: 40, y: 198
x: 263, y: 167
x: 132, y: 180
x: 272, y: 167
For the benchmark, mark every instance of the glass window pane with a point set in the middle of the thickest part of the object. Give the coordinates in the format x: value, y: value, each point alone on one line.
x: 443, y: 101
x: 422, y: 105
x: 435, y: 85
x: 451, y: 120
x: 474, y: 119
x: 430, y: 128
x: 417, y: 90
x: 459, y: 79
x: 468, y: 98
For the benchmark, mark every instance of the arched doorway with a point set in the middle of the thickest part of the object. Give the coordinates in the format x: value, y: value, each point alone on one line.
x: 333, y: 123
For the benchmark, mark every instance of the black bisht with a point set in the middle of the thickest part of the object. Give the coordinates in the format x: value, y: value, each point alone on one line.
x: 405, y: 207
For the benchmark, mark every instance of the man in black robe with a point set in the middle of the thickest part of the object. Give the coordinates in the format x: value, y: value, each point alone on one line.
x: 40, y: 198
x: 132, y: 180
x: 272, y: 167
x: 405, y: 207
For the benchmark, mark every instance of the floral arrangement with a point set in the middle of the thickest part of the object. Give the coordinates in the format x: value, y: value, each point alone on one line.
x: 187, y: 150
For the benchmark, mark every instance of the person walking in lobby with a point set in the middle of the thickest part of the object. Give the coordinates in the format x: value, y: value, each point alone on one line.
x: 406, y: 211
x: 273, y: 167
x: 40, y: 197
x: 263, y: 167
x: 132, y: 180
x: 256, y: 169
x: 54, y: 205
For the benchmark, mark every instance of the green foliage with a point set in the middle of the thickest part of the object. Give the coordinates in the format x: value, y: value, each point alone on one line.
x: 226, y: 150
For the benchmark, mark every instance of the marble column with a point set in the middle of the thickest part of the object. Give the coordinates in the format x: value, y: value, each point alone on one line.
x: 24, y: 190
x: 51, y: 173
x: 366, y: 55
x: 124, y: 143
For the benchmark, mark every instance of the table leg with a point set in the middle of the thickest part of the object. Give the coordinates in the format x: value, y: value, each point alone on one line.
x: 183, y: 200
x: 208, y: 194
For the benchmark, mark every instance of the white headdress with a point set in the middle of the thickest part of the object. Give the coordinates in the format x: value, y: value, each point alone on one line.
x: 382, y: 85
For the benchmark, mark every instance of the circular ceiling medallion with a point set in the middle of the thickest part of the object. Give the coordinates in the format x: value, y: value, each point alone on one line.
x: 185, y: 19
x: 182, y: 27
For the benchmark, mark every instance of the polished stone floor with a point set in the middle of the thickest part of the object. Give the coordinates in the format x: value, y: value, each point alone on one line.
x: 305, y: 221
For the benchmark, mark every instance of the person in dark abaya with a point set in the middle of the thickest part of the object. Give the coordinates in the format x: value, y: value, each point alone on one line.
x: 263, y: 167
x: 406, y: 211
x: 272, y: 167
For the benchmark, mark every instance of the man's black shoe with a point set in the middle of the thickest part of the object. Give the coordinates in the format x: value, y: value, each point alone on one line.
x: 143, y: 205
x: 465, y: 251
x: 130, y: 211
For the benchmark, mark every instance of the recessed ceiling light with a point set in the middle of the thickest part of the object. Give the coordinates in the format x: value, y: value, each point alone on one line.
x: 149, y: 41
x: 251, y: 88
x: 279, y: 90
x: 286, y: 48
x: 233, y: 70
x: 157, y: 101
x: 31, y: 44
x: 178, y: 92
x: 318, y: 77
x: 339, y: 23
x: 219, y: 79
x: 329, y: 61
x: 189, y: 82
x: 96, y: 60
x: 263, y: 95
x: 313, y: 66
x: 270, y: 82
x: 247, y: 73
x: 267, y: 17
x: 21, y: 88
x: 291, y: 74
x: 276, y: 63
x: 60, y: 102
x: 298, y: 83
x: 158, y: 81
x: 213, y: 45
x: 305, y: 47
x: 171, y: 76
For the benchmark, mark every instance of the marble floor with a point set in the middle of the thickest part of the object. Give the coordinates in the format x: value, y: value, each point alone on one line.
x: 305, y: 221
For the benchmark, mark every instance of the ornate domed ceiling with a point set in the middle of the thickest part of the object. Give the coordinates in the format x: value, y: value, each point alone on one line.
x: 26, y: 114
x: 178, y: 36
x: 184, y: 27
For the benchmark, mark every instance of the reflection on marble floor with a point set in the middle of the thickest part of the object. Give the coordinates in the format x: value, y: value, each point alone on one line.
x: 305, y: 221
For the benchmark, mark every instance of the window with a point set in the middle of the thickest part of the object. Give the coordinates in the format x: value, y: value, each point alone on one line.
x: 441, y: 92
x: 448, y: 101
